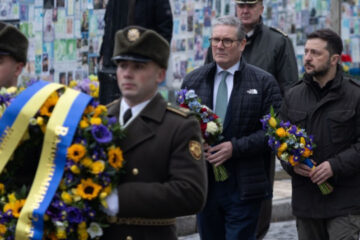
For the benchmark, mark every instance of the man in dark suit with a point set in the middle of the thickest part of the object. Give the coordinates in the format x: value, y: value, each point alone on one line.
x: 240, y: 94
x: 165, y: 174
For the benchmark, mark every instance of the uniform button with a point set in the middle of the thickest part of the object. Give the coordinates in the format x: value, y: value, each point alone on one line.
x: 135, y: 171
x: 129, y: 238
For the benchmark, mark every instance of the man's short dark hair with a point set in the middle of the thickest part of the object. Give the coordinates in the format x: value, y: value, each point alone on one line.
x: 334, y: 42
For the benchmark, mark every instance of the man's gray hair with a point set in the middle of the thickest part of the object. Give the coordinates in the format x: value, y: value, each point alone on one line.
x: 230, y: 21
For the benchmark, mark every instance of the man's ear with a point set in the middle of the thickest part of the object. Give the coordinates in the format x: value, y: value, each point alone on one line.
x: 335, y: 59
x: 161, y: 75
x: 18, y: 69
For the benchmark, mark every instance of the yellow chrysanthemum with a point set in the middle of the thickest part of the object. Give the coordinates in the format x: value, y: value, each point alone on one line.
x: 61, y: 234
x: 105, y: 192
x: 100, y: 109
x: 89, y: 109
x: 86, y: 162
x: 12, y: 198
x: 307, y: 153
x: 66, y: 197
x: 272, y: 122
x: 291, y: 161
x: 75, y: 169
x: 73, y: 84
x: 15, y: 207
x: 82, y: 231
x: 115, y: 156
x: 47, y: 108
x: 95, y: 121
x: 87, y: 189
x: 84, y: 124
x: 2, y: 188
x: 98, y: 167
x: 2, y: 229
x: 95, y: 94
x: 282, y: 147
x: 76, y: 152
x: 92, y: 87
x: 93, y: 78
x: 40, y: 121
x: 281, y: 132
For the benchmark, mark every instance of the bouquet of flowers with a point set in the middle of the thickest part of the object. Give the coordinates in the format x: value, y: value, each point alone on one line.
x: 88, y: 85
x: 291, y: 143
x: 72, y: 207
x: 210, y: 124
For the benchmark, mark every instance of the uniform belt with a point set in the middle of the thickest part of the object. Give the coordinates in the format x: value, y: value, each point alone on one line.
x: 143, y: 221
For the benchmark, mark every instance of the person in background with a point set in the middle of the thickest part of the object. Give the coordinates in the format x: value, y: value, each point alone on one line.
x: 327, y: 105
x: 151, y: 14
x: 13, y: 54
x: 165, y: 174
x: 240, y: 95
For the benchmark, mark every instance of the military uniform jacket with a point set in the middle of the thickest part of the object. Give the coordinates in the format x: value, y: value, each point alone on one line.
x: 165, y: 173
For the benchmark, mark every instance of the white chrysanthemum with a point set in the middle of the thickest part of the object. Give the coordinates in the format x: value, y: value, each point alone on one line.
x: 212, y: 128
x: 11, y: 90
x: 95, y: 230
x: 284, y: 156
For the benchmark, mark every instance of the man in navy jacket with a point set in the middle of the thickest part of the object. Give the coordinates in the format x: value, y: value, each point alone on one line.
x: 232, y: 207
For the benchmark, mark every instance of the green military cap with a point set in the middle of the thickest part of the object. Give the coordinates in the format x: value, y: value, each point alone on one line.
x: 139, y: 44
x: 247, y: 1
x: 13, y: 42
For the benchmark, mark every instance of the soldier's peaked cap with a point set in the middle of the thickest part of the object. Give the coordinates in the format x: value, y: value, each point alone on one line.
x: 139, y: 44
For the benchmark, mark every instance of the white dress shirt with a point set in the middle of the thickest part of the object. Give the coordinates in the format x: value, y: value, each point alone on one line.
x: 229, y: 80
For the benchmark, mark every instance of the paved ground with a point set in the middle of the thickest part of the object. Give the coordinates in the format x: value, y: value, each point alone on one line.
x: 278, y: 231
x: 284, y: 230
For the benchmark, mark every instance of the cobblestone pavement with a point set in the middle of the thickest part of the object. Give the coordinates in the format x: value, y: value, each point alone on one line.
x: 278, y: 231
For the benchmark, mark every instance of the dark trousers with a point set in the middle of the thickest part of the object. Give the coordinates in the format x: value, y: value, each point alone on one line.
x: 266, y: 205
x: 226, y: 216
x: 338, y: 228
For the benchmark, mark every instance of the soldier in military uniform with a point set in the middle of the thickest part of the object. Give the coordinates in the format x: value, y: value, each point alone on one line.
x: 165, y: 174
x: 13, y: 54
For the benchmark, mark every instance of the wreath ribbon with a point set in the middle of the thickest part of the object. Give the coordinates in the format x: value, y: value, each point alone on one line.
x: 59, y: 133
x: 16, y: 117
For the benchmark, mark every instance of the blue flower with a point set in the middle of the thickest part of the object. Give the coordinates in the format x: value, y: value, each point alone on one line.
x: 101, y: 133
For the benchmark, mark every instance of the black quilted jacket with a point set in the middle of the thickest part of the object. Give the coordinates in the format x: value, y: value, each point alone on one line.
x: 253, y: 93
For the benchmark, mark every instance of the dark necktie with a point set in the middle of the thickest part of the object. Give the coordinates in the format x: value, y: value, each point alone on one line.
x: 127, y: 115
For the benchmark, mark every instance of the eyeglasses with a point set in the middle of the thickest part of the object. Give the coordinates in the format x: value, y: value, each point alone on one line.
x: 226, y: 42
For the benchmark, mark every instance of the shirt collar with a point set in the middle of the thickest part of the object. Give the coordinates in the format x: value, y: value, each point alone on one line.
x: 231, y: 70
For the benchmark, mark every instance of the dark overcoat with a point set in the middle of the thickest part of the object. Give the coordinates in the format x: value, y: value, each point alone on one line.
x: 254, y: 91
x: 165, y: 174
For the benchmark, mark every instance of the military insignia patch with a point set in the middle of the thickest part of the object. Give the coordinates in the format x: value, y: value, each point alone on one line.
x: 195, y: 149
x: 133, y: 34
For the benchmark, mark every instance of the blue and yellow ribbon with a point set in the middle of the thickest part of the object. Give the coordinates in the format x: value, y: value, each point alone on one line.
x: 15, y: 120
x: 58, y: 137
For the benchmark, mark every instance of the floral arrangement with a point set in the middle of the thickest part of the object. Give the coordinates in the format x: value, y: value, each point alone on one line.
x: 93, y: 164
x: 291, y: 143
x: 210, y: 124
x: 88, y: 85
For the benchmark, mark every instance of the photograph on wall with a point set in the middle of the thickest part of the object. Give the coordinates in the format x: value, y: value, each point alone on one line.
x: 9, y: 10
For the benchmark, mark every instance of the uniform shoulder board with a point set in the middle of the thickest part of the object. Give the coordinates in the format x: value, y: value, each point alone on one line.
x: 178, y: 110
x: 111, y: 104
x: 278, y: 30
